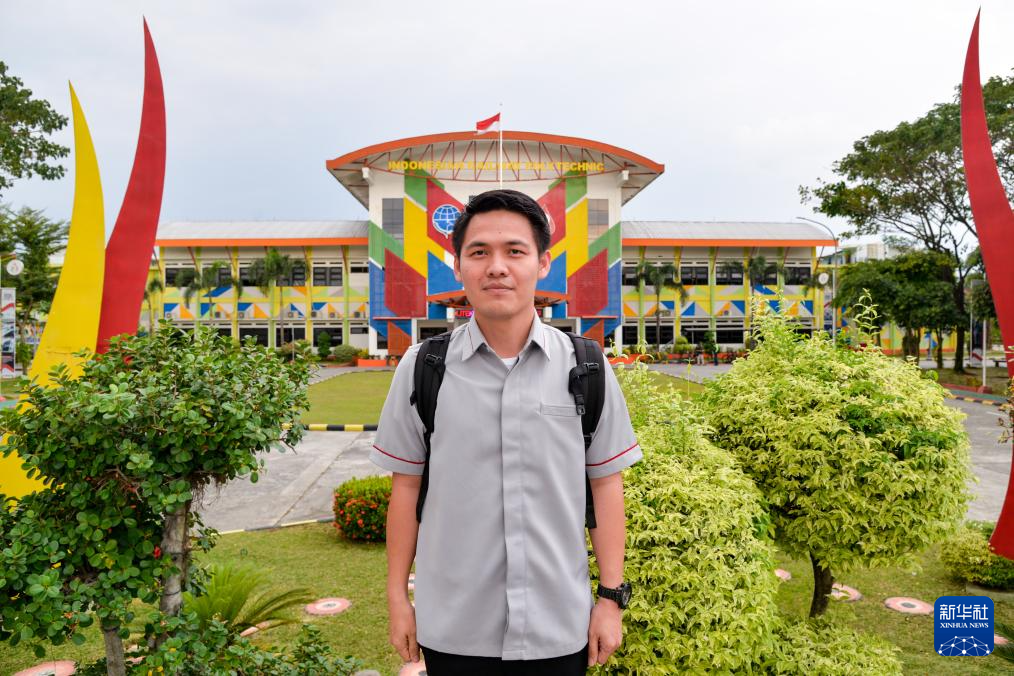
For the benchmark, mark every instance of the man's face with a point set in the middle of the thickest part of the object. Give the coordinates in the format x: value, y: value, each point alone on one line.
x: 500, y: 264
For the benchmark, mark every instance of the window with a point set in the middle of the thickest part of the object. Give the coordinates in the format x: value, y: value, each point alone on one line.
x: 729, y: 273
x: 770, y: 275
x: 598, y: 218
x: 630, y: 334
x: 179, y: 277
x: 629, y: 276
x: 224, y: 276
x: 244, y: 275
x: 359, y: 269
x: 358, y: 329
x: 797, y: 275
x: 298, y: 275
x: 381, y: 341
x: 693, y: 274
x: 327, y: 275
x: 729, y: 336
x: 393, y: 221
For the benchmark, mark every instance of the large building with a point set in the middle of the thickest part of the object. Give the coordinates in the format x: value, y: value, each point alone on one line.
x: 386, y: 281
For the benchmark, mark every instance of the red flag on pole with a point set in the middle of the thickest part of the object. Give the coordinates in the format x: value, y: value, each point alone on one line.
x: 489, y: 124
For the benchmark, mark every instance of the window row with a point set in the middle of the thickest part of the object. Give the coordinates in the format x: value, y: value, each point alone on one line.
x: 323, y: 275
x: 727, y: 273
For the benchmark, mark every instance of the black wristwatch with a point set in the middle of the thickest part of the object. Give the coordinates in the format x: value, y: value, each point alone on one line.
x: 621, y: 594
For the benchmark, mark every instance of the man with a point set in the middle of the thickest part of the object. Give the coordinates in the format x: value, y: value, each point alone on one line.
x: 501, y: 561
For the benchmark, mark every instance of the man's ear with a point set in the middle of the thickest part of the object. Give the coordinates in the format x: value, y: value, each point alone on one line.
x: 544, y: 264
x: 457, y: 268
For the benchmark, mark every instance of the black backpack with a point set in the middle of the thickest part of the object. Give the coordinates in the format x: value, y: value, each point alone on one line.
x: 587, y: 384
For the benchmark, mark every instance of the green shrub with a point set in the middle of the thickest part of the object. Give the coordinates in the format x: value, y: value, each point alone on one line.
x: 345, y: 353
x: 857, y: 455
x: 968, y: 557
x: 828, y: 649
x: 681, y: 345
x: 360, y: 508
x: 696, y: 551
x: 324, y: 345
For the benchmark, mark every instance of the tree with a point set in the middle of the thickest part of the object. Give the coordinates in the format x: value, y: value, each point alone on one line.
x: 198, y: 282
x: 858, y: 457
x: 24, y: 125
x: 268, y: 274
x: 910, y: 181
x: 659, y: 277
x: 912, y: 290
x: 154, y: 287
x: 35, y: 239
x: 128, y: 447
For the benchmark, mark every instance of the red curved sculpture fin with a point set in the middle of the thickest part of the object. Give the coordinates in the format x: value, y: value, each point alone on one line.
x: 128, y: 253
x: 994, y: 223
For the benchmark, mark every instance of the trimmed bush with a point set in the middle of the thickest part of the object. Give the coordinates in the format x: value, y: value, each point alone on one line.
x: 829, y: 649
x: 858, y: 456
x: 360, y: 508
x: 345, y: 353
x: 324, y: 345
x: 968, y: 557
x: 696, y: 553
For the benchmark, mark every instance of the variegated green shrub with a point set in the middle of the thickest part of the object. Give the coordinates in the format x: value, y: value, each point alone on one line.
x: 701, y: 568
x: 858, y: 457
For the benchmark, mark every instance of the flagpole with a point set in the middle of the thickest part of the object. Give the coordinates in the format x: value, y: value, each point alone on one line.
x: 499, y: 172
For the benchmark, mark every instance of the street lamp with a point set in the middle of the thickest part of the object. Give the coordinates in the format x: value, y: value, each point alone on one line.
x: 834, y: 272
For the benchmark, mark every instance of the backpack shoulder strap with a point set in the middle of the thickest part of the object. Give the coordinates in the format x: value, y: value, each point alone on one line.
x: 427, y: 378
x: 587, y: 384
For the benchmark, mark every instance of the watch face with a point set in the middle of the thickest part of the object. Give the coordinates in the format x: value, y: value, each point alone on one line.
x: 625, y: 592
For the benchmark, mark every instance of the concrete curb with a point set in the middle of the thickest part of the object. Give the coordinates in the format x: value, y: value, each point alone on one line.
x: 281, y: 525
x: 987, y: 402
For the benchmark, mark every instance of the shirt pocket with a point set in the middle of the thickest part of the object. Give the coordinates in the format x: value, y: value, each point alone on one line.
x: 563, y: 410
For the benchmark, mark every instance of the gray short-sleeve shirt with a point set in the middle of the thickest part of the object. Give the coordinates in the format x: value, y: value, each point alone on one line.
x: 501, y: 558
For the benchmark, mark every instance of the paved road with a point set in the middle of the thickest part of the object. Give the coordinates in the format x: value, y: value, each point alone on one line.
x: 297, y: 486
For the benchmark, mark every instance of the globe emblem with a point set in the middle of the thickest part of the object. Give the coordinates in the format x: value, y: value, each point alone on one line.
x: 444, y: 218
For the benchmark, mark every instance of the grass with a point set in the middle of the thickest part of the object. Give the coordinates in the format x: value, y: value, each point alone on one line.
x: 912, y: 633
x: 315, y: 556
x: 357, y: 397
x: 351, y: 398
x: 996, y: 378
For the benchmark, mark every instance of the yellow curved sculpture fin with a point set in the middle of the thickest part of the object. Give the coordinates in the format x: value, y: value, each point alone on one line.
x: 73, y: 322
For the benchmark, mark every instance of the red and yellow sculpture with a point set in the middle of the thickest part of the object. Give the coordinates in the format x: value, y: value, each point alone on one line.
x: 115, y: 274
x: 994, y: 224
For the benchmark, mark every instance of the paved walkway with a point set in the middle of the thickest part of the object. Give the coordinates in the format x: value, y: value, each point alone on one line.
x: 297, y: 486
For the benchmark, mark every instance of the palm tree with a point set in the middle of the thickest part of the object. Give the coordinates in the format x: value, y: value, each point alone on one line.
x: 813, y: 284
x: 198, y: 283
x: 268, y: 273
x: 757, y: 268
x: 660, y: 277
x: 155, y: 287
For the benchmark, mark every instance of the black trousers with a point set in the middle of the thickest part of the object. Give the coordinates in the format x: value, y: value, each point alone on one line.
x: 446, y: 664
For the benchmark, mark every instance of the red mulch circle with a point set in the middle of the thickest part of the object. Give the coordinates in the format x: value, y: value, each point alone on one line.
x: 61, y: 668
x: 908, y: 605
x: 841, y: 592
x: 413, y: 669
x: 329, y: 606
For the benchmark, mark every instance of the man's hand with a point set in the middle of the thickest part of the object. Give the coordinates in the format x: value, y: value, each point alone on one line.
x: 402, y: 625
x: 605, y: 631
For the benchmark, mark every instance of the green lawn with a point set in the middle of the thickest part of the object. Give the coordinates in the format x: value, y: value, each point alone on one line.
x: 357, y: 397
x: 315, y: 557
x: 996, y: 378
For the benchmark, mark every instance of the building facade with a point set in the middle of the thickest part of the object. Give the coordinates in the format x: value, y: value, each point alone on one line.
x: 385, y: 282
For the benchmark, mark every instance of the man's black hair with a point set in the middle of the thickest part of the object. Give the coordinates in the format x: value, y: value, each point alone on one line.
x: 503, y: 200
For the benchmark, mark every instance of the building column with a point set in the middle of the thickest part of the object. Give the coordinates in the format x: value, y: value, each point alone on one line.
x: 712, y: 255
x: 747, y: 295
x: 234, y: 267
x: 677, y: 256
x: 640, y: 301
x: 308, y: 294
x: 346, y: 295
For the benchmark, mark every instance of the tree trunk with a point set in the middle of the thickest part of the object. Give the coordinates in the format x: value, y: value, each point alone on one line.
x: 176, y: 545
x: 658, y: 324
x: 940, y: 349
x: 959, y: 347
x: 822, y: 581
x: 115, y: 665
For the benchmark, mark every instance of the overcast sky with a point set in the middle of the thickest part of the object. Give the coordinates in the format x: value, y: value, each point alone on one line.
x: 742, y: 101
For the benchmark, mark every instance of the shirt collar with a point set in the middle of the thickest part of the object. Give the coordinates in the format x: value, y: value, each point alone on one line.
x: 474, y: 338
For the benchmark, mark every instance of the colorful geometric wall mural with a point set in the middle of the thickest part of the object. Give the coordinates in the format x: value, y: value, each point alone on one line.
x: 407, y: 279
